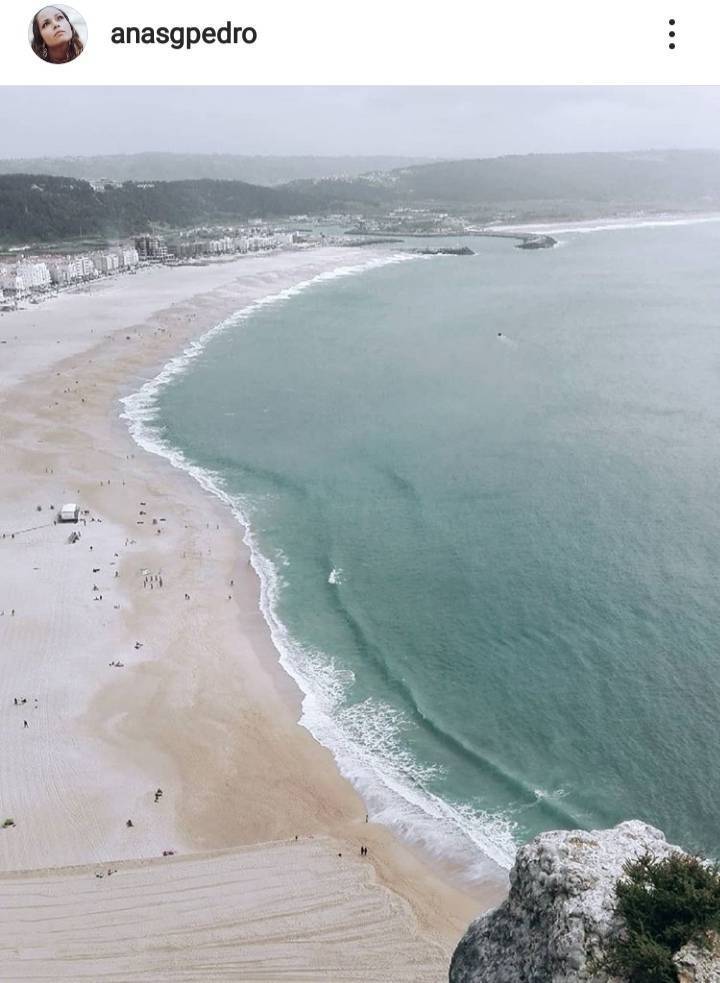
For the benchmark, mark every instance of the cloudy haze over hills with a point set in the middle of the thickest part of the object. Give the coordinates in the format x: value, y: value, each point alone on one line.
x: 403, y: 121
x: 164, y: 166
x: 480, y: 154
x: 514, y: 188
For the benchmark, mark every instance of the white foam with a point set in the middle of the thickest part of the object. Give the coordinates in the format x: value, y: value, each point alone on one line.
x: 366, y: 738
x: 335, y: 576
x: 612, y: 225
x: 140, y: 407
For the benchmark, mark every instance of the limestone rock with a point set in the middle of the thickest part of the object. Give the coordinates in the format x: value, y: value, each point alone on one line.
x: 698, y: 965
x: 560, y: 908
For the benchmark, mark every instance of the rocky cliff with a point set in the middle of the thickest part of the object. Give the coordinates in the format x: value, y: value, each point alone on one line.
x: 696, y: 965
x: 560, y: 909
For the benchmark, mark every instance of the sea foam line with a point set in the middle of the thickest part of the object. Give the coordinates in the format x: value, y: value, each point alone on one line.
x: 365, y: 739
x: 612, y: 225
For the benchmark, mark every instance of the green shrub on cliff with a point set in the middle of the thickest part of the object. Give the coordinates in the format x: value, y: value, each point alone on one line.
x: 663, y: 904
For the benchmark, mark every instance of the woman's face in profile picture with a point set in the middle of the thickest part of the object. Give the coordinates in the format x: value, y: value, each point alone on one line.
x: 54, y: 27
x: 54, y: 37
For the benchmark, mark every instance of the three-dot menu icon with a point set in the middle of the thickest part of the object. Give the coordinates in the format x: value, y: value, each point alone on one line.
x: 671, y: 33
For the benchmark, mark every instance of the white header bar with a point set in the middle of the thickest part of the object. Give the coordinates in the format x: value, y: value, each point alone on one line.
x: 378, y: 42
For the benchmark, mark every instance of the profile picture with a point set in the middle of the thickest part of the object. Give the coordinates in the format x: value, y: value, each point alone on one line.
x: 58, y: 34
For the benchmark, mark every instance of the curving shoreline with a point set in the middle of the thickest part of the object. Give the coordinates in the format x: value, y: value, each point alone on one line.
x: 205, y: 681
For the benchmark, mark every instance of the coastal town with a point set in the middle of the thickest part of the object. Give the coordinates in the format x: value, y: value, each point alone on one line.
x: 31, y: 277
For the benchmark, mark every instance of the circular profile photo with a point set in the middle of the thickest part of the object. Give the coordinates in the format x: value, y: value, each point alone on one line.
x: 58, y: 34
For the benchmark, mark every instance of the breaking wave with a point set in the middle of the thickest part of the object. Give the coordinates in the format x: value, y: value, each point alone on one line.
x: 366, y: 738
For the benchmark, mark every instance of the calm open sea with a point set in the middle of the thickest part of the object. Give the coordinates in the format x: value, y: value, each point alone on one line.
x: 484, y: 501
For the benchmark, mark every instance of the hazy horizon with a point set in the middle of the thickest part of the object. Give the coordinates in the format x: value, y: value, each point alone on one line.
x: 150, y: 151
x: 398, y: 121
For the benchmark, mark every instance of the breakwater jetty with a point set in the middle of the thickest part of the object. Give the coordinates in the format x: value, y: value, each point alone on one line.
x: 526, y: 240
x: 446, y: 251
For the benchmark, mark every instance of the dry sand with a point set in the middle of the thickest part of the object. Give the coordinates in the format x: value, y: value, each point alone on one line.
x: 283, y: 911
x: 199, y: 706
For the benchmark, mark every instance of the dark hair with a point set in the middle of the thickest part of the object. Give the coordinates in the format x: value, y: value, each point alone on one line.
x: 75, y: 45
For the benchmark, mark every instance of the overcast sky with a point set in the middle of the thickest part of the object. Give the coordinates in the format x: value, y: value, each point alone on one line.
x: 434, y: 122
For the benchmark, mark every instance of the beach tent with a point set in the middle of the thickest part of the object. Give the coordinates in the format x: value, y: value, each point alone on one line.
x: 69, y: 512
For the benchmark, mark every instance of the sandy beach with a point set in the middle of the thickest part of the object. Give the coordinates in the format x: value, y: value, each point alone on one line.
x: 265, y: 880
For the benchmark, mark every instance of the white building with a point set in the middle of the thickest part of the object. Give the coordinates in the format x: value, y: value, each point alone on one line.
x: 13, y: 285
x: 87, y: 266
x: 129, y: 257
x: 35, y: 275
x: 217, y: 246
x: 74, y: 268
x: 59, y: 273
x: 66, y: 271
x: 107, y: 263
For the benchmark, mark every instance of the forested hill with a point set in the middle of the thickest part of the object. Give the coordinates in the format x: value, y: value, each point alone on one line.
x: 40, y: 208
x: 153, y: 166
x: 543, y: 185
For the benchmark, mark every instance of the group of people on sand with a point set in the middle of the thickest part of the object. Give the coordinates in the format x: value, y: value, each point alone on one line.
x: 109, y: 872
x: 20, y: 701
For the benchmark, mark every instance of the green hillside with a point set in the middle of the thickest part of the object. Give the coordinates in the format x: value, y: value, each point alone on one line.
x: 542, y: 185
x: 41, y: 208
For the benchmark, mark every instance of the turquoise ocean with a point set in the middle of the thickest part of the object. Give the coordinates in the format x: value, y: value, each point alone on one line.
x: 483, y: 499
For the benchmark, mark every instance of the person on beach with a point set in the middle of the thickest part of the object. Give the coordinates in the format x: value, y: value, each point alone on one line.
x: 54, y: 37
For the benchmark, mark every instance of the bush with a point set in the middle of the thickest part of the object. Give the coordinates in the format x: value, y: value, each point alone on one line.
x: 663, y: 904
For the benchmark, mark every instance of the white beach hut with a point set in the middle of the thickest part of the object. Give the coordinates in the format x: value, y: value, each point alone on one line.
x: 69, y: 512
